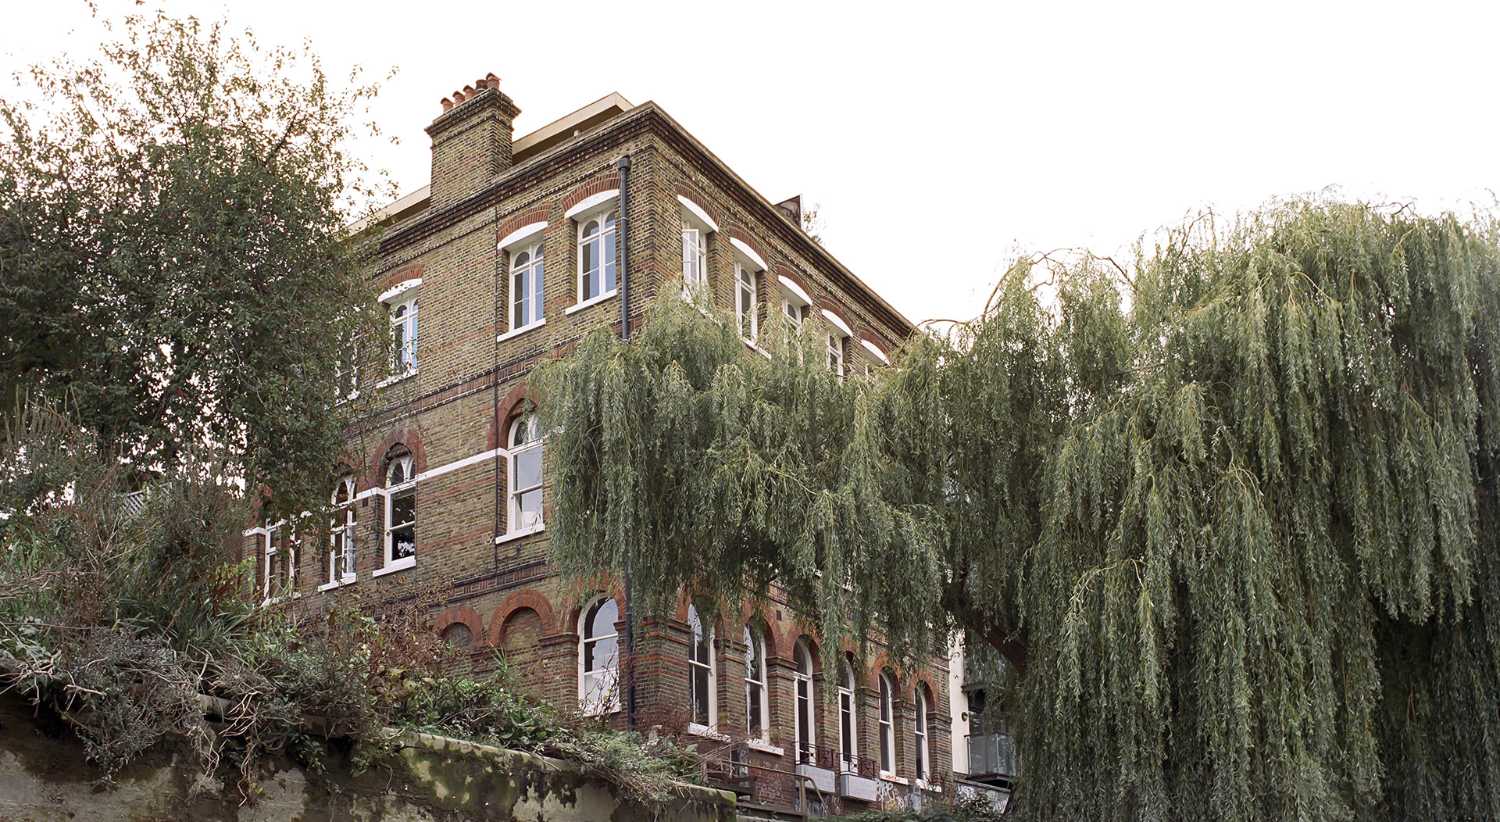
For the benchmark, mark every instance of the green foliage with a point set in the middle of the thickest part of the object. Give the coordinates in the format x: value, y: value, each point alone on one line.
x: 174, y: 257
x: 127, y: 623
x: 1229, y: 515
x: 966, y: 809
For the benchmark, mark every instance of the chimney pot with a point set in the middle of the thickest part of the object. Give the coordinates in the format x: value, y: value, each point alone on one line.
x: 462, y: 167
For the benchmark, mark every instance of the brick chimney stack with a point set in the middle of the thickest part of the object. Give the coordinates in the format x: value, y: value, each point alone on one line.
x: 470, y: 140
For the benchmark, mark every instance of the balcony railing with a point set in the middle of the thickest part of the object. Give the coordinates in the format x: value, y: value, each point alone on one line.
x: 992, y: 755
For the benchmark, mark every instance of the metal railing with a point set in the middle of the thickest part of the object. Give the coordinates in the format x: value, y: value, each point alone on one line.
x: 992, y: 755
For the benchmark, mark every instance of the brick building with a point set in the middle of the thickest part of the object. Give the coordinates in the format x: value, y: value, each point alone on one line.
x: 517, y: 248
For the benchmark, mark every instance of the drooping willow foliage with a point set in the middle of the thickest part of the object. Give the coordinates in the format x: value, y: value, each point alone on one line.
x: 1231, y: 514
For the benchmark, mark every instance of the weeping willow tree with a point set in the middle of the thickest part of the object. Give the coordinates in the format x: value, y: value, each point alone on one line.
x: 1230, y: 514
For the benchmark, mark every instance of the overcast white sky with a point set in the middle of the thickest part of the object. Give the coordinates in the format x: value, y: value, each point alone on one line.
x: 941, y: 138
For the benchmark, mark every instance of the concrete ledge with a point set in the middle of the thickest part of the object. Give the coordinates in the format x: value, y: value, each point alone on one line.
x: 43, y: 776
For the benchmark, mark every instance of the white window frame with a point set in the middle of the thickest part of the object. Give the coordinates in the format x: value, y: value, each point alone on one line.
x: 887, y: 725
x: 836, y: 353
x: 513, y: 526
x: 694, y: 263
x: 403, y: 316
x: 805, y: 741
x: 747, y: 289
x: 405, y: 359
x: 586, y: 677
x: 341, y: 537
x: 269, y: 551
x: 608, y: 238
x: 702, y: 667
x: 922, y: 756
x: 530, y: 273
x: 848, y: 695
x: 755, y: 682
x: 408, y: 484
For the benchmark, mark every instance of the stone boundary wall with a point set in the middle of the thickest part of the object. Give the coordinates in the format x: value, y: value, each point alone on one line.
x: 43, y: 777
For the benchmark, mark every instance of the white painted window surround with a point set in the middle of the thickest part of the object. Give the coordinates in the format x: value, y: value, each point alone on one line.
x: 599, y: 658
x: 596, y: 229
x: 700, y: 213
x: 400, y: 516
x: 523, y: 234
x: 744, y: 248
x: 592, y: 202
x: 401, y: 290
x: 791, y: 285
x: 837, y: 322
x: 703, y: 702
x: 875, y: 351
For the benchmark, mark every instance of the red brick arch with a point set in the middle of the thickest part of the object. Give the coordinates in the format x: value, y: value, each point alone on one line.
x: 518, y: 600
x: 744, y: 236
x: 401, y: 275
x: 827, y: 304
x: 774, y: 642
x: 527, y: 217
x: 410, y: 439
x: 783, y: 270
x: 461, y: 614
x: 589, y: 189
x: 509, y: 406
x: 568, y: 623
x: 702, y: 200
x: 875, y: 340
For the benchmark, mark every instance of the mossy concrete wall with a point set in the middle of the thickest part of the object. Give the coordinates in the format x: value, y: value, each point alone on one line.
x: 43, y: 776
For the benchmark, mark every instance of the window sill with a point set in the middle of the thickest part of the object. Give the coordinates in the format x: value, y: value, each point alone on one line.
x: 604, y: 711
x: 753, y: 346
x: 399, y: 565
x: 349, y: 579
x: 395, y: 378
x: 765, y: 747
x: 590, y: 301
x: 516, y: 332
x: 704, y: 731
x: 350, y: 397
x: 894, y: 779
x: 515, y: 535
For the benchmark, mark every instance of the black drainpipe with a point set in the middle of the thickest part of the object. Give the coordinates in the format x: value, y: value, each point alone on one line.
x: 624, y: 258
x: 624, y: 247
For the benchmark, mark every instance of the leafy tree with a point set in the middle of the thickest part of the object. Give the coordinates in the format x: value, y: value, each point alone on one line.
x: 1230, y: 515
x: 174, y: 252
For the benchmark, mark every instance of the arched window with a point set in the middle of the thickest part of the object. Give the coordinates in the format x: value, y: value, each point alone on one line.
x: 757, y: 705
x: 403, y: 317
x: 848, y: 717
x: 599, y: 658
x: 887, y: 724
x: 836, y: 344
x: 400, y: 514
x: 339, y: 568
x: 919, y: 733
x: 526, y: 287
x: 806, y: 717
x: 596, y: 256
x: 746, y: 306
x: 701, y: 685
x: 279, y: 577
x: 525, y: 475
x: 694, y: 261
